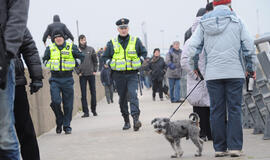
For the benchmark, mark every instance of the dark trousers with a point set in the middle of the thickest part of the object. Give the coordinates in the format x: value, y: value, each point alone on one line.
x: 62, y: 86
x: 24, y: 125
x: 226, y: 96
x: 127, y: 88
x: 157, y: 87
x: 204, y: 114
x: 92, y: 85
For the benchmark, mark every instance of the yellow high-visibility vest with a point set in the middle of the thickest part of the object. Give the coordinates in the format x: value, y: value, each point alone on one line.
x: 61, y: 60
x: 125, y: 60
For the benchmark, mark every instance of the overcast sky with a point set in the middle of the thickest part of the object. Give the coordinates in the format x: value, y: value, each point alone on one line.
x: 97, y: 18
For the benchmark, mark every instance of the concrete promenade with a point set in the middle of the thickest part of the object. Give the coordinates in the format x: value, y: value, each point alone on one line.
x: 102, y: 138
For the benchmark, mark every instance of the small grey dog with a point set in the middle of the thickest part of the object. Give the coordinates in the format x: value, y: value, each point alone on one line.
x: 174, y: 131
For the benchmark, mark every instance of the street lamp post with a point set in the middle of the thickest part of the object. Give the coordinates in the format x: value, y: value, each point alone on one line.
x: 163, y: 37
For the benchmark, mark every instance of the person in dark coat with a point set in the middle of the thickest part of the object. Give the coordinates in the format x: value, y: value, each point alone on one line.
x: 107, y: 82
x: 87, y: 73
x: 23, y: 121
x: 158, y: 69
x: 13, y: 20
x: 57, y: 25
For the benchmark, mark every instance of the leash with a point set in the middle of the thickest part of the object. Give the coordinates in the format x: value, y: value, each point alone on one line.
x: 201, y: 79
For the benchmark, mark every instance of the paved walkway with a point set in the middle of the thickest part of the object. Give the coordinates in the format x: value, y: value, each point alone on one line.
x: 102, y: 138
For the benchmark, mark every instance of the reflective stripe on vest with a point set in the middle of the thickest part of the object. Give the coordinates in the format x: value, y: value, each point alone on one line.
x: 125, y: 59
x: 64, y: 57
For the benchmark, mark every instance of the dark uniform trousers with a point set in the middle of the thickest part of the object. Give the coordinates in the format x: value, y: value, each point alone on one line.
x: 24, y: 125
x: 62, y: 86
x: 127, y: 88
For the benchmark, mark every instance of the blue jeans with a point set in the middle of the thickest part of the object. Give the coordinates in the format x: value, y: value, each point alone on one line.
x: 92, y: 85
x: 147, y: 81
x: 62, y: 86
x: 226, y: 96
x: 9, y: 145
x: 127, y: 88
x: 174, y: 85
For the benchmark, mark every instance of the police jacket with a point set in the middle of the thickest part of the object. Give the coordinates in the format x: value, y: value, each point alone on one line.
x: 29, y: 52
x: 108, y: 54
x: 75, y: 52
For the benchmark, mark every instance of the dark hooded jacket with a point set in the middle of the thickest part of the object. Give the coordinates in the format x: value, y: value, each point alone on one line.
x: 13, y: 18
x: 57, y: 25
x: 29, y: 52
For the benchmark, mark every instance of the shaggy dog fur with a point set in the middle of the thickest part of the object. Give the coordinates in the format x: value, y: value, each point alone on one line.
x: 174, y: 131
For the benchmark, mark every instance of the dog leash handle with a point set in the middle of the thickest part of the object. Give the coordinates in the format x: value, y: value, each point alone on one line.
x: 185, y: 98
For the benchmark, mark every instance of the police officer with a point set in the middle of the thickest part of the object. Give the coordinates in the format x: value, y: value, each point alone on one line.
x: 124, y: 55
x: 60, y: 57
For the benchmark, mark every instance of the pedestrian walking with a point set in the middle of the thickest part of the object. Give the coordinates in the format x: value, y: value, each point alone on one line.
x: 158, y: 69
x: 125, y: 54
x: 174, y: 71
x: 87, y: 73
x: 230, y: 56
x: 13, y: 20
x: 60, y: 58
x: 199, y: 98
x: 56, y: 25
x: 23, y: 121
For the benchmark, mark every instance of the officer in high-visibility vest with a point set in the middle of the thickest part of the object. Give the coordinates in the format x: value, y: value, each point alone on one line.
x: 60, y: 58
x: 124, y: 54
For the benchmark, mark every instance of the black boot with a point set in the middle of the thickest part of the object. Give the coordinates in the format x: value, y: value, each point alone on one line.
x: 126, y: 126
x: 136, y: 123
x: 58, y: 129
x: 127, y: 123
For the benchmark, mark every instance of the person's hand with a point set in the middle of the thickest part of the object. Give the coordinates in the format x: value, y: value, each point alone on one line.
x: 196, y: 72
x: 94, y: 73
x: 253, y: 74
x: 45, y: 44
x: 35, y: 86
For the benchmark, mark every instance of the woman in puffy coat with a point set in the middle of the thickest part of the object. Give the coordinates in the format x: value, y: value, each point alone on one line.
x: 157, y: 68
x: 199, y: 98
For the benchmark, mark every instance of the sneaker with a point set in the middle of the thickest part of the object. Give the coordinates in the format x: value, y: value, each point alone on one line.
x: 85, y: 115
x: 58, y: 130
x: 154, y: 99
x: 235, y: 153
x: 221, y: 154
x: 95, y: 113
x: 161, y: 99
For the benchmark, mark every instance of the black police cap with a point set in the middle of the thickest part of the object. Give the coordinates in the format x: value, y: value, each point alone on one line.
x: 122, y: 22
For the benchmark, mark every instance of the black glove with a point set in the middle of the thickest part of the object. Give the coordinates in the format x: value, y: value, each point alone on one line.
x: 35, y: 86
